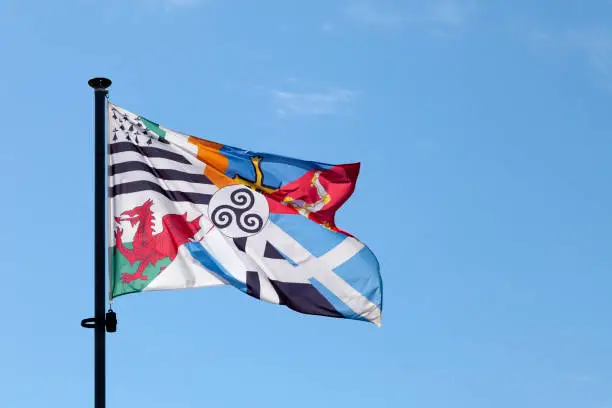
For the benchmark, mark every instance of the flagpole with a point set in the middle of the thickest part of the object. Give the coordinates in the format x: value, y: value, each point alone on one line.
x: 100, y: 322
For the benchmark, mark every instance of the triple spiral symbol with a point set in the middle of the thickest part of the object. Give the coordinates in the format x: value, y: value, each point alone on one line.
x: 245, y: 214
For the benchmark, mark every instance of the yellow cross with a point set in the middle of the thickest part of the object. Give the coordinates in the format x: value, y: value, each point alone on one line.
x: 258, y: 184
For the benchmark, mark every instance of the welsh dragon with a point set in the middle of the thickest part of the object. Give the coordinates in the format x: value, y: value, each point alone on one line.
x: 149, y: 248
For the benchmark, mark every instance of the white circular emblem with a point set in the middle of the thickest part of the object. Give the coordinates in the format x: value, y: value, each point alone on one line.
x: 238, y: 211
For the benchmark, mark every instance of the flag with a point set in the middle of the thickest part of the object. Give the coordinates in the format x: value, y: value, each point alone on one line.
x: 186, y: 212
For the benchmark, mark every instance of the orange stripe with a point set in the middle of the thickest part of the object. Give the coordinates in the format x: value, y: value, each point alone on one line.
x: 216, y: 163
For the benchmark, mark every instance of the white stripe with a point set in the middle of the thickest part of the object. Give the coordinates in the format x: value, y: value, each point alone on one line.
x: 181, y: 141
x: 283, y: 271
x: 255, y: 248
x: 225, y: 253
x: 183, y: 273
x: 176, y: 144
x: 277, y: 269
x: 158, y: 162
x: 341, y: 253
x: 143, y: 139
x: 172, y: 185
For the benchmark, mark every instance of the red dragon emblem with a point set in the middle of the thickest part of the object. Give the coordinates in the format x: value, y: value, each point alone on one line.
x: 147, y: 247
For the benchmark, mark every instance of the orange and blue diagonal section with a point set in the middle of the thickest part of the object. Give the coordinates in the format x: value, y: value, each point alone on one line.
x: 313, y: 189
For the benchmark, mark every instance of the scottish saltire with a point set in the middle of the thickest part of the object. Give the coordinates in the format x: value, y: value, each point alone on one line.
x: 188, y: 213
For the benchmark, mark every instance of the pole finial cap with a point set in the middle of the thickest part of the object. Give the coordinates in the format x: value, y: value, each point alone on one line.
x: 99, y: 83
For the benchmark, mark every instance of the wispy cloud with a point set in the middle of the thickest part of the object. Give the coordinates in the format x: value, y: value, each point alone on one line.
x: 434, y: 16
x: 450, y: 13
x: 327, y: 27
x: 330, y: 102
x: 592, y: 45
x: 596, y: 46
x: 182, y: 3
x: 583, y: 378
x: 170, y: 5
x: 365, y: 13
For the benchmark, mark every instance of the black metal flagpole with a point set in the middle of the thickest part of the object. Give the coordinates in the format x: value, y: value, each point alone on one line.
x: 100, y: 322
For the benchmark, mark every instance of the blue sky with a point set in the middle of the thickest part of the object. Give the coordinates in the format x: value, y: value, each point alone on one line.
x: 484, y: 135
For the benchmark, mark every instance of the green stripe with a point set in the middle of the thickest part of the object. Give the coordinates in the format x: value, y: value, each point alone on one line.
x: 119, y: 264
x: 153, y: 127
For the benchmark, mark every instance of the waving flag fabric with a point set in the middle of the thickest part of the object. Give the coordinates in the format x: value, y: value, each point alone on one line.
x: 188, y: 212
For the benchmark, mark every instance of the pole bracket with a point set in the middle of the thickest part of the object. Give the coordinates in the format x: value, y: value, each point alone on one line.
x: 89, y: 323
x: 110, y: 322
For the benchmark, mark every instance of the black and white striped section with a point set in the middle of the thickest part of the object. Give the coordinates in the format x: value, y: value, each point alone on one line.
x: 165, y: 169
x: 164, y: 172
x: 125, y: 126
